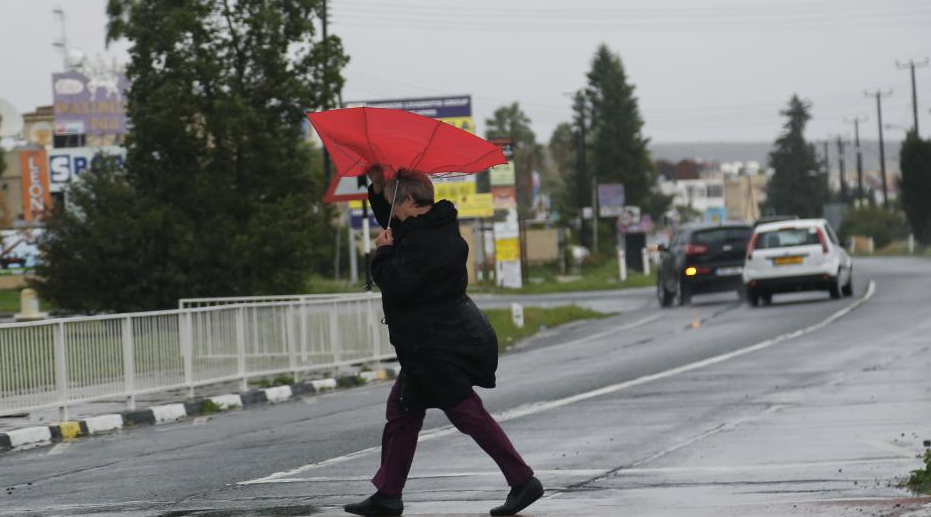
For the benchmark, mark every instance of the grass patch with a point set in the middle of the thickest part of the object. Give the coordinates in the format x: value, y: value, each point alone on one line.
x: 920, y: 480
x: 535, y: 319
x: 209, y: 407
x: 350, y: 381
x: 321, y: 285
x: 593, y: 278
x: 281, y: 380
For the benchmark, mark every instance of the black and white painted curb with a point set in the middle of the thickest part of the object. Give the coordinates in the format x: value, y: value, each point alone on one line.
x: 29, y: 437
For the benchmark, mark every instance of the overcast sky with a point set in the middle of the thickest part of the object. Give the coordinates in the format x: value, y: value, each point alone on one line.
x: 704, y: 70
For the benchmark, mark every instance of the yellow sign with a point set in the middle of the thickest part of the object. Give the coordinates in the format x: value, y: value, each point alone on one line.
x: 507, y: 249
x: 464, y: 123
x: 467, y: 201
x: 476, y: 206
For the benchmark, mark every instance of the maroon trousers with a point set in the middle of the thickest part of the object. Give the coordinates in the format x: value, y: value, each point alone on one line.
x: 399, y: 441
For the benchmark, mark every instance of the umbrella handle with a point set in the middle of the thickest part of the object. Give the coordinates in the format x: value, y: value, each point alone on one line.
x: 393, y: 199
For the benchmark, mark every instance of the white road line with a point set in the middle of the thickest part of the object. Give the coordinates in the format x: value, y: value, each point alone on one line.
x: 586, y: 473
x: 58, y: 448
x: 539, y: 407
x: 613, y: 330
x: 765, y: 466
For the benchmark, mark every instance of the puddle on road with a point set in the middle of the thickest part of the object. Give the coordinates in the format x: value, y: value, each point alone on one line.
x: 272, y: 511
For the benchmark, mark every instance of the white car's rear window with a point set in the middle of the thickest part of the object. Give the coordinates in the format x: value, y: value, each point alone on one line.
x: 788, y: 237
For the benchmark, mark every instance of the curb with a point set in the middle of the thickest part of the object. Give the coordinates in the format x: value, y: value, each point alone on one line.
x: 29, y: 437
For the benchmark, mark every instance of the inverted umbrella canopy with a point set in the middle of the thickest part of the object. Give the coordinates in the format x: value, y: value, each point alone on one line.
x: 395, y: 139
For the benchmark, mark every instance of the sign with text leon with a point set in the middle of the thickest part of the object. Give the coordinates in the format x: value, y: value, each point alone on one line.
x: 37, y: 197
x: 90, y: 105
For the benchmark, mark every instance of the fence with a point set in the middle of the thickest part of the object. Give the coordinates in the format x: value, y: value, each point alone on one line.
x: 60, y: 363
x: 189, y: 303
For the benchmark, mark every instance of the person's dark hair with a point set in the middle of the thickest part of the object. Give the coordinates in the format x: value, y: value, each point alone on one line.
x: 415, y: 184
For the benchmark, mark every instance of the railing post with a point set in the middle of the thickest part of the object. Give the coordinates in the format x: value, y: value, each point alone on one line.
x: 129, y: 363
x: 291, y: 339
x: 374, y: 330
x: 241, y: 347
x: 303, y: 316
x: 186, y: 322
x: 336, y: 344
x: 61, y: 371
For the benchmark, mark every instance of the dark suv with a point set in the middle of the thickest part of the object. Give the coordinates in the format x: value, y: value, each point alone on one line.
x: 706, y: 258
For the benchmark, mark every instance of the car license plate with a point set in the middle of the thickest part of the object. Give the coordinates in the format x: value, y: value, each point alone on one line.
x: 785, y: 261
x: 729, y: 271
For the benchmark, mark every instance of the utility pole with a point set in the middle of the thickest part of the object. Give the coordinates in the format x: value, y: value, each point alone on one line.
x: 326, y: 87
x: 582, y: 108
x: 856, y: 142
x: 843, y: 173
x: 62, y: 44
x: 827, y: 165
x: 912, y: 64
x: 879, y: 94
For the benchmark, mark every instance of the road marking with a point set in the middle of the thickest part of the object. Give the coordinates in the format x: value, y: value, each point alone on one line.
x: 58, y: 448
x: 201, y: 420
x: 765, y: 466
x: 495, y: 473
x: 612, y: 330
x: 539, y: 407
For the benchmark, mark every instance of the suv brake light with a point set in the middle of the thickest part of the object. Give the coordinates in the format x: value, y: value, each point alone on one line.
x: 752, y: 245
x: 696, y: 249
x: 824, y: 242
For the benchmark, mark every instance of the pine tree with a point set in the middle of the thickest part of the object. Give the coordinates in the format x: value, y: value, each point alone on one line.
x: 915, y: 185
x: 796, y: 187
x: 618, y: 149
x: 227, y: 197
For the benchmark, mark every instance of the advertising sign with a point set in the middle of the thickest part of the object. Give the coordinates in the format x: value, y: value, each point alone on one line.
x: 610, y: 199
x: 455, y: 110
x: 504, y: 197
x: 507, y: 249
x: 468, y: 202
x: 67, y: 164
x: 19, y: 253
x: 37, y: 197
x: 90, y: 104
x: 502, y: 174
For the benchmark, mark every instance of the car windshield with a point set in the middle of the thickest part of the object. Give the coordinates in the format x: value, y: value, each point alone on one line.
x: 736, y: 237
x: 788, y: 237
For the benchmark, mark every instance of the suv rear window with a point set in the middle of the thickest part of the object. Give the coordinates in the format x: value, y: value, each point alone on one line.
x: 787, y: 237
x: 721, y: 236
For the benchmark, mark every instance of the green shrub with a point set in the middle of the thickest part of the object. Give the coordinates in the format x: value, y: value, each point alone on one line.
x: 882, y: 225
x: 920, y: 480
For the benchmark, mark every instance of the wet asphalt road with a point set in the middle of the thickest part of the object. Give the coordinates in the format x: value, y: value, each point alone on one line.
x: 740, y: 432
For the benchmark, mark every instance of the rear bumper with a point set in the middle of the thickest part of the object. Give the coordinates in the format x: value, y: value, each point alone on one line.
x: 699, y: 284
x: 790, y: 284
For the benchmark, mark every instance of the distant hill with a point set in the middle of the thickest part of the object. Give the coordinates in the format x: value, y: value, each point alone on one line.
x: 759, y: 152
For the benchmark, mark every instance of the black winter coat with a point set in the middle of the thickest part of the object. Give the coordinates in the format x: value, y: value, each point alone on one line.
x: 444, y: 342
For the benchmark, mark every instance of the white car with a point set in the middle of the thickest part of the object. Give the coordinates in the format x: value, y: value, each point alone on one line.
x: 796, y: 255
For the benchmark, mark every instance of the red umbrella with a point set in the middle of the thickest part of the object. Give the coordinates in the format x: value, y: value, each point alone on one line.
x: 395, y: 139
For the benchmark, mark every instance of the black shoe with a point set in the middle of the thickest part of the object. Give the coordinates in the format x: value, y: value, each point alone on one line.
x: 377, y: 505
x: 520, y: 497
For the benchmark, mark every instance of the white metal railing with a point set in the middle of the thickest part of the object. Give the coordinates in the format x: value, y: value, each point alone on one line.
x: 63, y: 362
x: 189, y: 303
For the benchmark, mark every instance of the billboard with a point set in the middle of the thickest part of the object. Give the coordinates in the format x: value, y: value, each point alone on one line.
x: 610, y: 199
x: 67, y: 164
x: 455, y: 110
x: 90, y: 104
x: 37, y: 197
